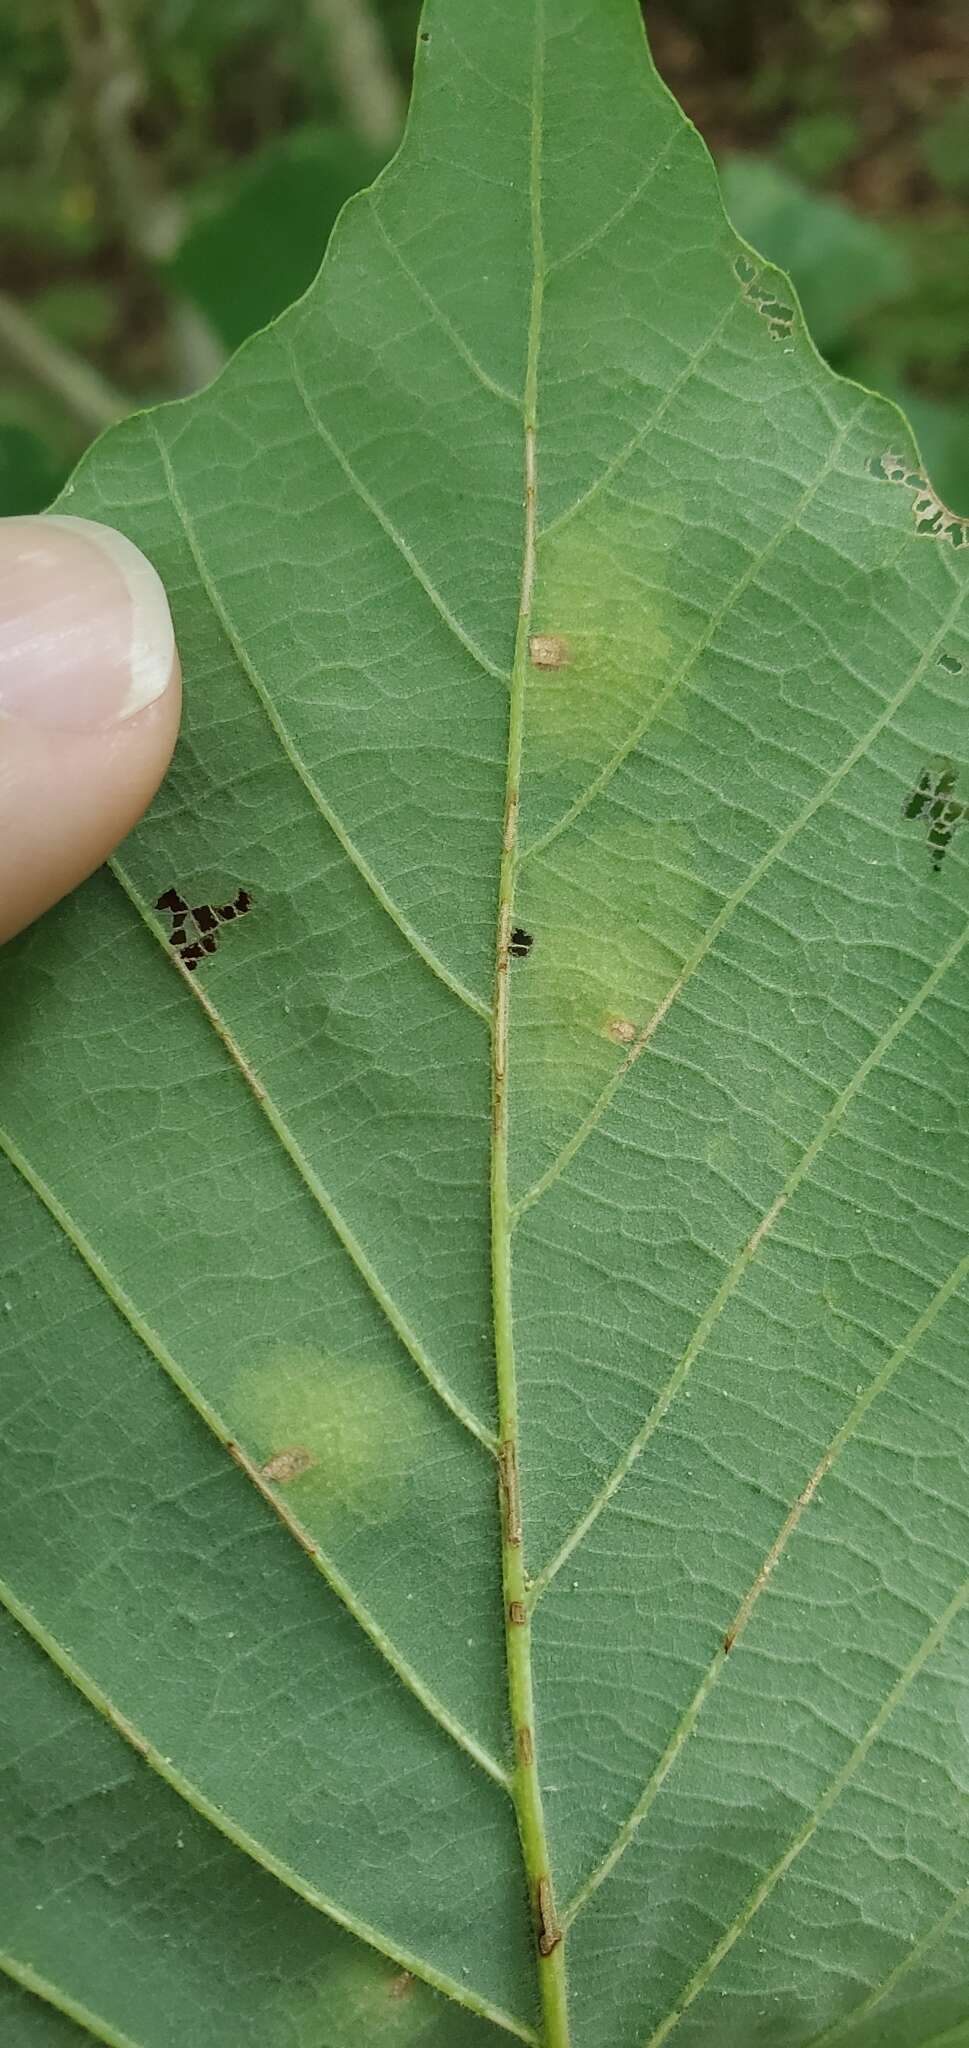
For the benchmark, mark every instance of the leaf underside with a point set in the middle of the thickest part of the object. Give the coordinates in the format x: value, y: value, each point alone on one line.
x: 248, y: 1395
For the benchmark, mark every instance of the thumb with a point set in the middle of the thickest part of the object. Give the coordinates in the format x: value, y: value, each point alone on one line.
x: 89, y: 703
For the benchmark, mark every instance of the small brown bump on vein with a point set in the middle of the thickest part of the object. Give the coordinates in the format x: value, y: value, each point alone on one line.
x: 776, y: 1551
x: 511, y: 821
x: 517, y: 1614
x: 510, y: 1492
x: 131, y: 1734
x: 549, y: 650
x: 402, y: 1985
x: 288, y: 1464
x: 549, y: 1931
x: 242, y: 1459
x: 526, y: 1747
x: 766, y: 1223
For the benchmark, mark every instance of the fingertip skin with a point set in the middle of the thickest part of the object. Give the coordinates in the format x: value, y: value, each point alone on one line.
x: 67, y: 799
x: 90, y: 699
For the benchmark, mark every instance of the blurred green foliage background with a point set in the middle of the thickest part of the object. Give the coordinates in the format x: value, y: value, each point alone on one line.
x: 170, y: 170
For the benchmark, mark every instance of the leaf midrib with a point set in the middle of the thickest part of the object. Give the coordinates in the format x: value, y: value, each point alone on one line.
x: 547, y: 1934
x: 482, y: 1009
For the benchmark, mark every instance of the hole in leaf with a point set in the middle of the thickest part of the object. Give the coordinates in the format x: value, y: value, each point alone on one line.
x: 173, y: 902
x: 930, y: 515
x: 951, y: 664
x: 202, y: 919
x: 778, y: 315
x: 520, y: 943
x: 932, y: 799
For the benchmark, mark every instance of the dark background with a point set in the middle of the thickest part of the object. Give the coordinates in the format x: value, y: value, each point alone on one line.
x: 170, y: 169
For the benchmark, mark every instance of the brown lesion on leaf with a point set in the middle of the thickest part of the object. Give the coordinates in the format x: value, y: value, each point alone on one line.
x: 549, y: 650
x: 288, y: 1464
x: 621, y: 1030
x: 401, y: 1986
x: 254, y: 1472
x: 549, y: 1931
x: 525, y: 1746
x: 777, y: 1549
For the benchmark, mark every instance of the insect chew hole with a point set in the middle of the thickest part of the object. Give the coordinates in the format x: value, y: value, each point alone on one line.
x: 194, y: 927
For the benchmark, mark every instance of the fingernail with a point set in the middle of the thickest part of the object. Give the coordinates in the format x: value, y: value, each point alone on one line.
x: 86, y: 635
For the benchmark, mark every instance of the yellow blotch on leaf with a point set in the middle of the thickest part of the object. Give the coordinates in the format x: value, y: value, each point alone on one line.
x: 338, y: 1434
x: 612, y: 928
x: 603, y: 650
x: 368, y: 2000
x: 613, y: 923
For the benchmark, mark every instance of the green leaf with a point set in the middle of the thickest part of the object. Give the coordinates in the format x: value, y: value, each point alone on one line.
x: 26, y: 2023
x: 107, y: 1876
x: 484, y: 1418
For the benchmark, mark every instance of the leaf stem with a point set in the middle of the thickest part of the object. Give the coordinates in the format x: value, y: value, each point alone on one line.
x: 86, y: 395
x: 111, y: 89
x: 365, y: 76
x: 526, y: 1786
